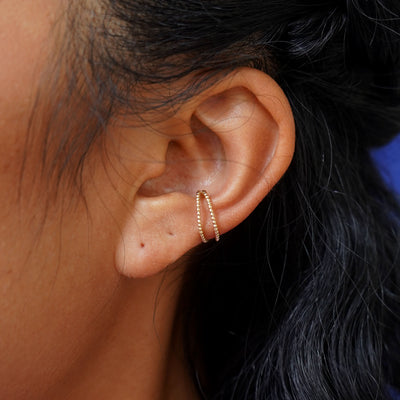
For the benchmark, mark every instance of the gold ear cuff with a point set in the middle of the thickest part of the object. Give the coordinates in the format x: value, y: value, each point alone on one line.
x: 204, y: 193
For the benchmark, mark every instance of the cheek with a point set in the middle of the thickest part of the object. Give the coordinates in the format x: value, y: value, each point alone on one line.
x: 50, y: 295
x: 56, y: 280
x: 25, y: 28
x: 56, y: 277
x: 24, y: 32
x: 25, y: 41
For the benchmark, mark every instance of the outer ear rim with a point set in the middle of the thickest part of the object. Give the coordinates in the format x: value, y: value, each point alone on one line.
x: 272, y: 97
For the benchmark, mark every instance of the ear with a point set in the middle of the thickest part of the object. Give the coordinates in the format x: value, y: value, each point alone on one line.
x: 235, y: 140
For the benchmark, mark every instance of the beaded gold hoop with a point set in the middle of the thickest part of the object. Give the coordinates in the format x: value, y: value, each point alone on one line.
x: 204, y: 193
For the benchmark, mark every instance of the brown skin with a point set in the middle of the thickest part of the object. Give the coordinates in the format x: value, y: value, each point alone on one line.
x: 88, y: 305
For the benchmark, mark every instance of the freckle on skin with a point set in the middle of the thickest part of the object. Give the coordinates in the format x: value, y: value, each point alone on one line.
x: 141, y: 245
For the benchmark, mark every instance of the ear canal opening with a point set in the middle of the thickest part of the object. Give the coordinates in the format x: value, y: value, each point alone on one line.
x: 193, y: 161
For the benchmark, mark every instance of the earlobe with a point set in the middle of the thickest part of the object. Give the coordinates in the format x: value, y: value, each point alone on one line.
x: 240, y: 143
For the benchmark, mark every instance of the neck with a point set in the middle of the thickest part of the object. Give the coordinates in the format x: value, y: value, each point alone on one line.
x: 136, y: 354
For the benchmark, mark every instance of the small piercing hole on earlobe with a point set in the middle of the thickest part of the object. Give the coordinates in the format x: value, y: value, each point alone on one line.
x: 171, y: 234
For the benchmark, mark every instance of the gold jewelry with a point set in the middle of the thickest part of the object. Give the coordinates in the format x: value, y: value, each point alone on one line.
x: 199, y: 193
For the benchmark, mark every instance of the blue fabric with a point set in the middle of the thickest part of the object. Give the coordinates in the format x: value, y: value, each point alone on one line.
x: 395, y: 395
x: 388, y: 161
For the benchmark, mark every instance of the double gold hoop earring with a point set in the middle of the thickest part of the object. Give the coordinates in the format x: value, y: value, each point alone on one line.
x: 204, y: 193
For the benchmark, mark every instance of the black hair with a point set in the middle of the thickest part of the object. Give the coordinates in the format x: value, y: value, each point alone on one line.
x: 301, y: 301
